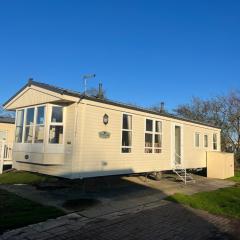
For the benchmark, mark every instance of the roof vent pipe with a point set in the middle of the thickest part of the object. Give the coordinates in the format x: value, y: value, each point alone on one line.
x: 162, y: 107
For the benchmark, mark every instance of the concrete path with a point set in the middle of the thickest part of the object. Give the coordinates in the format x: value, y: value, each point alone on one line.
x: 159, y: 220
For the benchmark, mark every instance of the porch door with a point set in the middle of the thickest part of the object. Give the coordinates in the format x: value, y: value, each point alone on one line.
x: 178, y: 144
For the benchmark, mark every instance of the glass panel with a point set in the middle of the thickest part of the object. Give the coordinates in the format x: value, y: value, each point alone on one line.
x: 196, y: 139
x: 30, y: 116
x: 28, y: 134
x: 215, y: 141
x: 149, y: 125
x: 127, y: 122
x: 40, y: 115
x: 20, y: 117
x: 158, y: 141
x: 148, y: 150
x: 126, y: 138
x: 57, y: 114
x: 158, y: 127
x: 3, y: 135
x: 148, y: 140
x: 157, y: 150
x: 178, y: 145
x: 205, y: 141
x: 126, y: 150
x: 39, y: 134
x: 56, y: 134
x: 18, y: 134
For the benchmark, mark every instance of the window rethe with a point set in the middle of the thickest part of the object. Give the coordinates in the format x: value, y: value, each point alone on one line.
x: 214, y: 141
x: 3, y: 135
x: 206, y: 141
x: 19, y: 126
x: 153, y: 136
x: 57, y: 114
x: 56, y: 125
x: 39, y: 127
x: 29, y: 125
x: 126, y: 133
x: 197, y: 140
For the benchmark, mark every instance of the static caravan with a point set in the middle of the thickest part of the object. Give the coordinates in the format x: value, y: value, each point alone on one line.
x: 65, y: 133
x: 7, y: 129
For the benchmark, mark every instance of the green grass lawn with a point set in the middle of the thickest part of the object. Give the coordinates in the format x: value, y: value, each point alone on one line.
x: 22, y: 177
x: 236, y: 177
x: 225, y: 201
x: 16, y: 211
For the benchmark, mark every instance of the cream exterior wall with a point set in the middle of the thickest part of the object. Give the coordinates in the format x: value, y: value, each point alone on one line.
x: 98, y: 156
x: 220, y: 165
x: 34, y: 95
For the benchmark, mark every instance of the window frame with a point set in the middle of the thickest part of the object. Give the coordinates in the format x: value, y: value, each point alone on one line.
x: 215, y: 142
x: 16, y: 126
x: 44, y: 124
x: 204, y: 141
x: 199, y: 135
x: 153, y: 133
x: 126, y: 130
x: 6, y: 133
x: 34, y: 123
x: 50, y: 123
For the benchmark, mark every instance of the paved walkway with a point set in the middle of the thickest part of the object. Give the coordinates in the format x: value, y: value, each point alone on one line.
x: 157, y: 220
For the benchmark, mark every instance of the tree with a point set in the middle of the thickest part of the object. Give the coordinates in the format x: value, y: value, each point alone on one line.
x: 4, y: 113
x: 222, y: 111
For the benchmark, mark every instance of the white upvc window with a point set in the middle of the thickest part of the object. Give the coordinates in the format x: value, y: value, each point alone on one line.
x: 40, y: 124
x: 56, y: 125
x: 126, y: 133
x: 214, y: 141
x: 3, y: 135
x: 19, y: 126
x: 197, y: 139
x: 205, y: 141
x: 153, y: 136
x: 30, y: 124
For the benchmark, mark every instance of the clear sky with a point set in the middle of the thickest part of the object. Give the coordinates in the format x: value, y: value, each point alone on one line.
x: 144, y: 52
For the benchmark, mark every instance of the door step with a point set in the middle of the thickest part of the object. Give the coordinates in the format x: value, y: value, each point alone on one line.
x: 183, y: 175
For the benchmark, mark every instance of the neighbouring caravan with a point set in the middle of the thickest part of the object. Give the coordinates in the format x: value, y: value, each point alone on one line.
x: 7, y: 129
x: 65, y: 133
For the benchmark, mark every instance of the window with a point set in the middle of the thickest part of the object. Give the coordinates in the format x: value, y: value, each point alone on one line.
x: 197, y: 140
x: 57, y: 115
x: 29, y: 125
x: 126, y: 133
x: 214, y: 141
x: 3, y: 135
x: 32, y: 129
x: 56, y: 125
x: 206, y: 141
x: 153, y: 136
x: 19, y: 126
x: 39, y: 127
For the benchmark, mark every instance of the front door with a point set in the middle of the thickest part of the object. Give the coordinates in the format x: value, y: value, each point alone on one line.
x: 178, y: 150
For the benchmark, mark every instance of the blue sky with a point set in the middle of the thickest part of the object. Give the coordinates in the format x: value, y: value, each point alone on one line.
x: 144, y: 52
